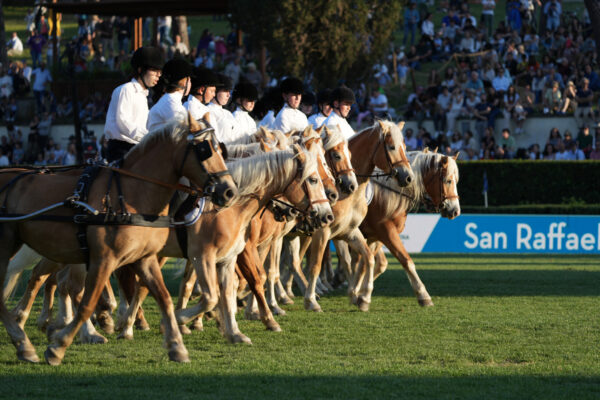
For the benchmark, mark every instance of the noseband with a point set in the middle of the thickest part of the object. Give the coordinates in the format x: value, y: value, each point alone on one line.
x: 441, y: 174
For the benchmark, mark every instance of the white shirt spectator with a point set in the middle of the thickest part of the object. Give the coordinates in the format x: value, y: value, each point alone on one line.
x: 489, y: 3
x: 42, y: 77
x: 335, y: 120
x: 167, y: 108
x: 379, y: 103
x: 27, y: 71
x: 127, y: 114
x: 268, y: 120
x: 226, y: 127
x: 427, y: 28
x: 289, y: 119
x: 4, y: 161
x: 564, y: 156
x: 6, y: 86
x: 245, y: 122
x: 411, y: 143
x: 501, y: 83
x: 444, y: 100
x: 15, y: 44
x: 316, y: 120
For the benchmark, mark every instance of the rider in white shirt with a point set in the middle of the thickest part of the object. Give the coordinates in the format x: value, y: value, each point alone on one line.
x: 226, y: 127
x: 127, y: 113
x: 323, y: 100
x: 308, y: 102
x: 245, y: 95
x: 342, y: 99
x: 289, y: 117
x: 177, y: 80
x: 204, y: 89
x: 271, y: 103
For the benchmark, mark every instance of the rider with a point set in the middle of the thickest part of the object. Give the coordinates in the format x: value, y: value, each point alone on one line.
x: 204, y: 86
x: 308, y: 102
x: 290, y: 118
x: 341, y: 102
x: 271, y: 103
x: 226, y: 127
x: 127, y: 113
x: 245, y: 95
x: 176, y: 79
x: 323, y: 100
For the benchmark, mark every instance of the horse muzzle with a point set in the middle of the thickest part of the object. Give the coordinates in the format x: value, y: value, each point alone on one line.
x: 404, y: 175
x: 347, y: 184
x: 321, y: 215
x: 450, y: 210
x: 222, y: 194
x: 332, y: 196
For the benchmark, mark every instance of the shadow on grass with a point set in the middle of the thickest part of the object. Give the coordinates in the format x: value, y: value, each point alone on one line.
x: 185, y: 385
x: 493, y: 283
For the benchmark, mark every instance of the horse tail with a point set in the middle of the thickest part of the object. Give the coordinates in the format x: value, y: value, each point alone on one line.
x: 25, y: 258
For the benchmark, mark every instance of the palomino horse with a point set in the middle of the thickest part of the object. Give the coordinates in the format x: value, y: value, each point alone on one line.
x: 436, y: 179
x: 381, y: 145
x: 149, y: 177
x: 219, y: 236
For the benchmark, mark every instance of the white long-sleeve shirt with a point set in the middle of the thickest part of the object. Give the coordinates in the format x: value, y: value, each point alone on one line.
x: 290, y: 119
x: 316, y: 120
x: 167, y: 108
x: 195, y: 107
x: 268, y: 120
x: 225, y: 125
x: 245, y: 123
x: 335, y: 120
x: 127, y: 114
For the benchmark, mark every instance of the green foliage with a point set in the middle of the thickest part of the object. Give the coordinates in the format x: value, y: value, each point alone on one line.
x: 528, y: 182
x: 331, y: 40
x: 503, y: 327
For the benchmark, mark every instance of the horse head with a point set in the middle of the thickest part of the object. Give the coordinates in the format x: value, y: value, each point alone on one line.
x: 306, y: 190
x: 313, y: 143
x: 391, y: 156
x: 441, y: 185
x: 210, y: 155
x: 338, y: 158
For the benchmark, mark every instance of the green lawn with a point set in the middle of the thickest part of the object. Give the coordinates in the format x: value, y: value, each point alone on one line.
x: 502, y: 327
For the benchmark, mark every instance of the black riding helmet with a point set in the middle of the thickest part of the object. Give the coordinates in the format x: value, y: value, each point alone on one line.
x: 342, y: 94
x: 225, y: 83
x: 147, y: 57
x: 324, y: 96
x: 292, y: 85
x: 308, y: 98
x: 204, y: 77
x: 245, y: 90
x: 175, y: 70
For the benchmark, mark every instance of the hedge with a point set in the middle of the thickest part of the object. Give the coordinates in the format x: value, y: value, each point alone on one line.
x: 527, y: 182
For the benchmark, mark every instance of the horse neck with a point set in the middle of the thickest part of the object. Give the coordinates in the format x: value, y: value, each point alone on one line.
x: 155, y: 163
x: 362, y: 148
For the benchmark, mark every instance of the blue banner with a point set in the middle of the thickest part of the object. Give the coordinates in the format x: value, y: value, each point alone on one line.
x: 484, y: 233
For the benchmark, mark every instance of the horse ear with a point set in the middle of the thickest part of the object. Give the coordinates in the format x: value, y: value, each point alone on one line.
x: 289, y: 134
x: 207, y: 117
x: 309, y: 143
x: 299, y: 153
x: 263, y: 146
x: 435, y: 150
x: 320, y: 129
x: 401, y: 125
x: 456, y: 155
x: 307, y: 131
x: 194, y: 125
x: 426, y: 149
x: 381, y: 124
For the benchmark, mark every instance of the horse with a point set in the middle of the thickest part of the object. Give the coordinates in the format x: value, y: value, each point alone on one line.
x: 148, y: 180
x: 219, y: 236
x: 381, y: 145
x: 436, y: 180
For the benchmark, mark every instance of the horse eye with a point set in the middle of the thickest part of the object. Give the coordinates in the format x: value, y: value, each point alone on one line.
x: 312, y: 181
x: 337, y: 157
x: 392, y: 147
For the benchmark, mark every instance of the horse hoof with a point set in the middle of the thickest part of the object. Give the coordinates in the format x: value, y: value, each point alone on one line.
x: 425, y: 303
x: 197, y: 325
x: 42, y: 324
x: 28, y: 354
x: 125, y: 335
x: 184, y: 330
x: 276, y: 310
x: 252, y: 316
x: 106, y: 323
x: 94, y: 339
x: 179, y: 355
x: 142, y: 325
x: 363, y: 305
x: 54, y: 355
x: 286, y: 301
x: 272, y: 326
x: 239, y: 338
x: 311, y: 305
x: 290, y: 294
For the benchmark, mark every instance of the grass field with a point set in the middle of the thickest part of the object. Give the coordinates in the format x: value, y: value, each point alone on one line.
x: 502, y: 327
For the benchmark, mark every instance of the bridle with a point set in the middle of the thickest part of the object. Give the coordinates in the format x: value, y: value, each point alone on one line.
x: 336, y: 173
x: 441, y: 175
x: 203, y: 151
x: 392, y: 166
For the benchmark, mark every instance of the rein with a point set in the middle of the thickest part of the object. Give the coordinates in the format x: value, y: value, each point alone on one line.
x: 177, y: 186
x: 391, y: 165
x: 391, y: 189
x: 443, y: 197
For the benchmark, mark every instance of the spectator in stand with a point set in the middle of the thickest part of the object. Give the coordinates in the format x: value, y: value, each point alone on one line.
x: 427, y: 27
x: 410, y: 140
x: 534, y: 152
x: 6, y: 84
x: 123, y: 28
x: 36, y: 43
x: 595, y: 153
x: 562, y: 154
x: 487, y: 16
x: 456, y: 142
x: 44, y: 128
x: 507, y: 143
x: 554, y: 138
x: 233, y: 70
x: 253, y: 76
x: 568, y: 104
x: 18, y: 154
x: 456, y: 108
x: 552, y: 9
x: 475, y: 83
x: 164, y: 29
x: 70, y: 157
x: 179, y: 48
x: 470, y: 105
x: 41, y: 78
x: 4, y: 160
x: 502, y: 81
x: 585, y: 140
x: 568, y: 139
x: 590, y: 74
x: 552, y: 99
x: 64, y: 108
x: 467, y: 43
x: 411, y: 20
x: 584, y: 99
x: 14, y: 47
x: 378, y: 103
x: 441, y: 108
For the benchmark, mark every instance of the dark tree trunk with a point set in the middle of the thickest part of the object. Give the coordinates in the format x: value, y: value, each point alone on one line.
x: 593, y: 7
x: 542, y: 20
x: 3, y: 56
x: 181, y: 29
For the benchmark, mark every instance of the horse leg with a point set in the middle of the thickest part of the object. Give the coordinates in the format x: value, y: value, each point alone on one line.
x: 284, y: 272
x: 186, y: 287
x: 127, y: 281
x: 273, y: 275
x: 344, y: 273
x: 39, y: 275
x: 327, y: 270
x: 75, y: 286
x: 148, y: 269
x: 25, y: 350
x: 106, y: 305
x: 97, y: 276
x: 46, y: 315
x: 249, y: 265
x: 381, y: 262
x: 139, y: 295
x: 299, y: 249
x: 206, y: 272
x: 24, y: 258
x: 365, y: 273
x: 317, y: 247
x: 228, y: 303
x: 391, y: 239
x: 65, y: 308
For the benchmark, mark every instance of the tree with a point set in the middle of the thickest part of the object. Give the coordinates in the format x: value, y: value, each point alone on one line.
x: 3, y: 56
x: 593, y: 7
x: 330, y: 40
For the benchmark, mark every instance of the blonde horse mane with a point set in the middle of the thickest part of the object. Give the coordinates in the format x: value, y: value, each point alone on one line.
x: 393, y: 202
x: 383, y: 126
x: 175, y: 130
x: 332, y: 136
x: 243, y: 150
x: 254, y: 173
